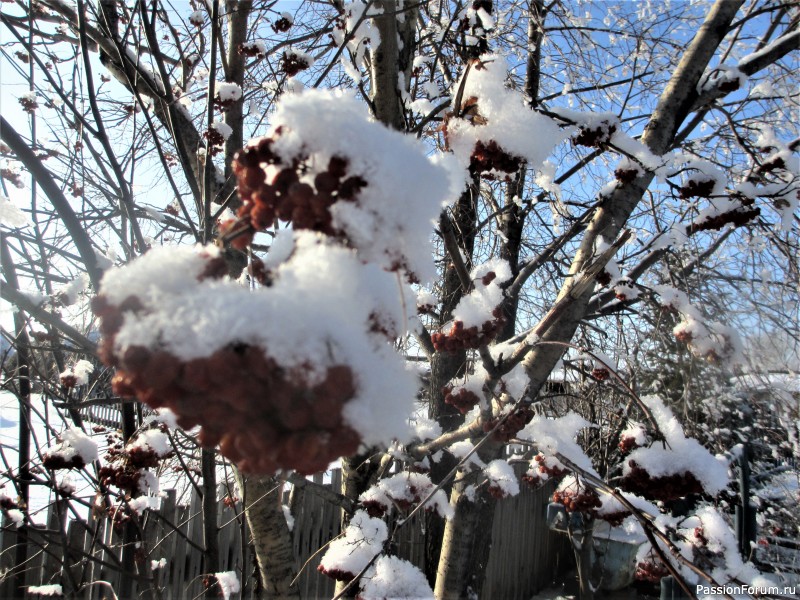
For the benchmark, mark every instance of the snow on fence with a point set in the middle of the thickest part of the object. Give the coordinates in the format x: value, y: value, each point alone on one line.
x: 526, y: 555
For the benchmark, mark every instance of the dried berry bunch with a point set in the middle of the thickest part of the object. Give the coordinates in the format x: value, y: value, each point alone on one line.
x: 578, y: 497
x: 252, y: 49
x: 737, y: 217
x: 651, y: 569
x: 698, y: 186
x: 263, y: 416
x: 665, y: 488
x: 292, y: 63
x: 215, y: 141
x: 595, y: 136
x: 282, y: 195
x: 29, y: 103
x: 283, y: 24
x: 511, y: 426
x: 462, y: 398
x: 462, y: 338
x: 544, y: 469
x: 488, y: 159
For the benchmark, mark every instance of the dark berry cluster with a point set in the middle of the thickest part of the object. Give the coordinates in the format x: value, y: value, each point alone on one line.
x: 462, y: 338
x: 124, y: 466
x: 627, y: 444
x: 251, y: 50
x: 55, y: 461
x: 68, y: 380
x: 651, y: 569
x: 292, y: 63
x: 578, y: 498
x: 626, y: 175
x: 737, y: 217
x: 488, y: 158
x: 29, y: 104
x: 285, y: 197
x: 665, y: 488
x: 601, y: 373
x: 511, y: 426
x: 263, y: 417
x: 595, y: 137
x: 215, y: 141
x: 463, y: 399
x: 282, y: 25
x: 700, y: 186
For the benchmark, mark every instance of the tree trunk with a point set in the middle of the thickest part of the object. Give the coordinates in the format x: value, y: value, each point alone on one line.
x: 457, y: 560
x: 272, y: 540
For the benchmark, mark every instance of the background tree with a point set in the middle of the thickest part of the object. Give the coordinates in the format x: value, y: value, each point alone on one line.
x: 607, y: 157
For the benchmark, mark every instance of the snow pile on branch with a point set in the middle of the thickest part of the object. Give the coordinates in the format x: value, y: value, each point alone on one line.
x: 169, y: 328
x: 723, y: 78
x: 477, y: 317
x: 492, y: 131
x: 403, y: 491
x: 325, y: 166
x: 228, y: 583
x: 10, y: 215
x: 75, y: 451
x: 395, y: 578
x: 78, y: 374
x: 502, y: 479
x: 46, y: 590
x: 556, y: 436
x: 347, y: 556
x: 153, y: 440
x: 715, y: 342
x: 672, y: 470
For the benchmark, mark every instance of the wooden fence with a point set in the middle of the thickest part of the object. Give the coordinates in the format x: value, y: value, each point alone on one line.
x: 525, y: 557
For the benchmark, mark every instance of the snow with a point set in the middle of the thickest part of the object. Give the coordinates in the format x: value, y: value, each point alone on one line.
x: 222, y: 128
x: 156, y: 440
x: 476, y: 308
x: 75, y: 443
x: 517, y: 129
x: 227, y: 91
x: 307, y: 319
x: 461, y: 449
x: 425, y: 428
x: 395, y: 578
x: 15, y: 516
x: 684, y: 455
x: 501, y: 476
x: 158, y: 564
x: 228, y: 582
x: 723, y: 78
x: 405, y: 189
x: 363, y: 539
x: 46, y: 590
x: 68, y: 292
x: 556, y: 436
x: 407, y: 489
x: 11, y: 215
x: 143, y: 503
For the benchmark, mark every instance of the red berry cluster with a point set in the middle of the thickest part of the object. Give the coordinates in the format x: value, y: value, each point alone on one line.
x: 495, y: 491
x: 68, y: 380
x: 463, y: 399
x: 55, y: 461
x: 486, y: 158
x: 215, y: 141
x: 29, y: 105
x: 595, y: 137
x: 627, y: 444
x: 549, y: 466
x: 698, y: 187
x: 578, y: 498
x: 263, y: 416
x: 461, y: 338
x: 664, y: 488
x: 12, y: 177
x: 285, y: 197
x: 737, y: 217
x: 601, y: 373
x: 197, y: 19
x: 684, y: 336
x: 511, y: 426
x: 626, y: 175
x: 652, y: 570
x: 124, y: 466
x: 292, y: 63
